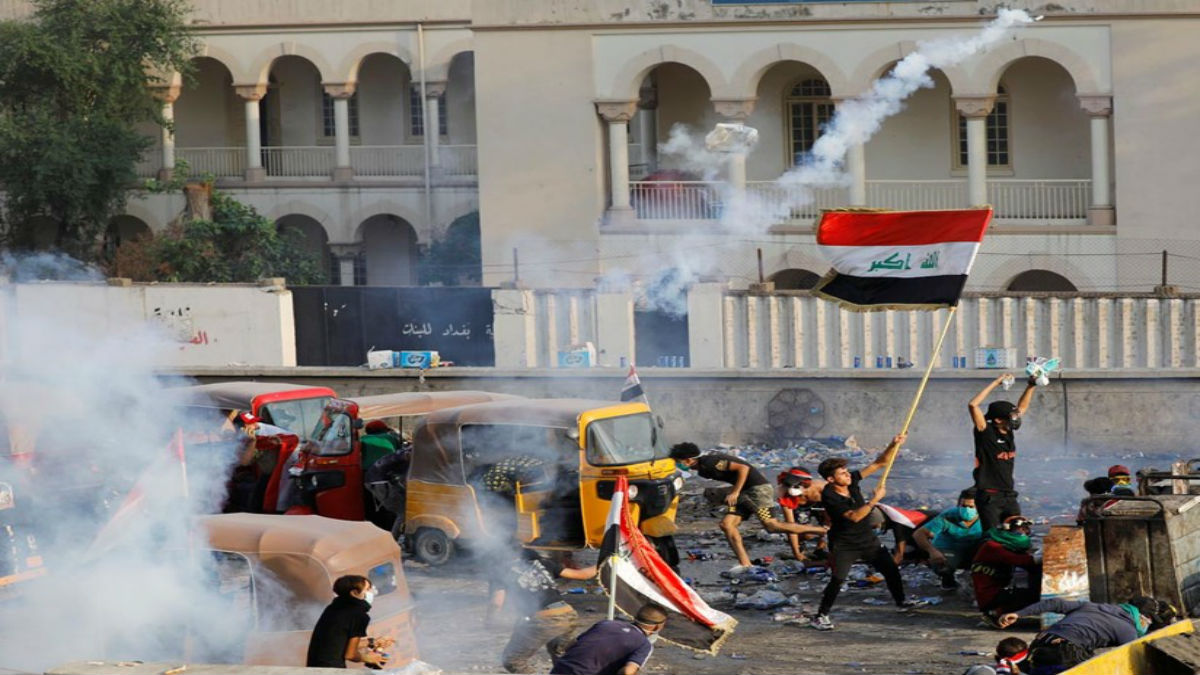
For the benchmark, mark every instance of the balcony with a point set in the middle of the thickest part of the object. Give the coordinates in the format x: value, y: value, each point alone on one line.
x: 319, y: 162
x: 1016, y: 202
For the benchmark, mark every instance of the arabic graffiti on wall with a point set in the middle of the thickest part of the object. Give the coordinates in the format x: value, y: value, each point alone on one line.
x: 180, y: 325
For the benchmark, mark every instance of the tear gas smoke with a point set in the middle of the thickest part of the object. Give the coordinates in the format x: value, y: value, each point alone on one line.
x: 97, y: 427
x: 856, y: 120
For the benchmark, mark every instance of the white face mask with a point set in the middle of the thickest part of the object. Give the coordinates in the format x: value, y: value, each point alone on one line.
x: 369, y: 596
x: 795, y: 492
x: 653, y: 637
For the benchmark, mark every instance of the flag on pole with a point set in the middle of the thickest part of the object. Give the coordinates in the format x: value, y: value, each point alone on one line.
x: 899, y: 259
x: 642, y: 576
x: 633, y: 387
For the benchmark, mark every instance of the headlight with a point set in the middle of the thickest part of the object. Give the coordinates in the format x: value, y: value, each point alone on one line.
x: 678, y: 483
x: 633, y: 492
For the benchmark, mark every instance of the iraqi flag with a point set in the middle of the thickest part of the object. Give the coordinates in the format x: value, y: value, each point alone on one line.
x: 632, y: 389
x: 899, y: 259
x: 642, y: 576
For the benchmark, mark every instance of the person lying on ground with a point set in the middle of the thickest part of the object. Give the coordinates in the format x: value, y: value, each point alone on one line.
x: 951, y: 538
x: 750, y: 496
x: 996, y: 452
x: 798, y: 496
x: 1010, y: 654
x: 614, y: 647
x: 341, y: 633
x: 1003, y: 550
x: 851, y: 537
x: 528, y: 583
x: 1088, y: 626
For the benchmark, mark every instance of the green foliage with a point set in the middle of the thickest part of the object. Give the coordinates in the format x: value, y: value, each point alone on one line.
x: 75, y: 82
x: 455, y: 259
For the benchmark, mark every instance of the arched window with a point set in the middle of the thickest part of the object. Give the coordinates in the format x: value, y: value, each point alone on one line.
x: 1043, y: 281
x: 997, y: 134
x: 794, y: 279
x: 808, y: 108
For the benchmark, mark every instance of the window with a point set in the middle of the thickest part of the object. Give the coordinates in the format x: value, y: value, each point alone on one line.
x: 809, y: 108
x: 328, y: 125
x: 417, y: 113
x: 997, y: 134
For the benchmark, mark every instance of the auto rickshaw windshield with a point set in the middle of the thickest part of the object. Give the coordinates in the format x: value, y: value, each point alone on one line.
x: 334, y: 437
x: 627, y: 439
x: 301, y: 416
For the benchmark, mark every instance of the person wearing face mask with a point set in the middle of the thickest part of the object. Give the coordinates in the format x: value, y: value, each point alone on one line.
x: 1088, y: 626
x: 614, y: 647
x: 951, y: 538
x: 1004, y: 549
x: 799, y: 498
x: 1122, y: 481
x: 341, y: 632
x: 996, y: 452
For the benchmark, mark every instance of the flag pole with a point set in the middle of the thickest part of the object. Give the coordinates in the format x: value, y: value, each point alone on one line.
x: 612, y: 584
x: 912, y: 409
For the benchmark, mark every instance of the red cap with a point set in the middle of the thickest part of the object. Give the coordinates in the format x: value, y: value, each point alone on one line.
x: 1118, y: 470
x: 801, y: 473
x: 376, y: 426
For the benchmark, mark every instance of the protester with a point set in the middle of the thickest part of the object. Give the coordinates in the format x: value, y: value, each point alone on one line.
x: 799, y: 497
x: 1004, y: 549
x: 902, y: 523
x: 951, y: 538
x: 338, y: 635
x: 614, y: 647
x: 377, y: 441
x: 1088, y: 626
x: 1122, y: 481
x: 851, y: 537
x: 751, y: 495
x: 996, y: 452
x: 1010, y: 654
x: 527, y: 582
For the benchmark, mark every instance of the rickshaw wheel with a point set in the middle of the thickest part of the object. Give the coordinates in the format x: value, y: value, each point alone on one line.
x: 432, y: 546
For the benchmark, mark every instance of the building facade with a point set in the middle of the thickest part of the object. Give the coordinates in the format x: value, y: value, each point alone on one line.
x: 371, y: 126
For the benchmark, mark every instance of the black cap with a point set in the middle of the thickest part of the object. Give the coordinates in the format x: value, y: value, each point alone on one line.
x: 1000, y: 410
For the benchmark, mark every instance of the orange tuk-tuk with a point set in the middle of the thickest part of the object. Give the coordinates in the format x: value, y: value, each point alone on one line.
x: 330, y: 471
x: 295, y: 407
x: 277, y: 574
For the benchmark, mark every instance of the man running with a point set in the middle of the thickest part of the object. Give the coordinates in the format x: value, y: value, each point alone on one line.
x: 996, y: 452
x: 851, y: 537
x: 751, y: 495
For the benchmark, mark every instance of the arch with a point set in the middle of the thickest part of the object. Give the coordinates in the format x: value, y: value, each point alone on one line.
x: 794, y: 279
x: 389, y: 250
x: 999, y: 277
x: 125, y: 227
x: 880, y: 62
x: 438, y: 66
x: 628, y: 80
x: 260, y: 67
x: 757, y: 64
x: 226, y: 58
x: 280, y: 210
x: 385, y: 208
x: 139, y: 209
x: 312, y: 235
x: 993, y: 64
x: 1039, y: 280
x: 347, y: 69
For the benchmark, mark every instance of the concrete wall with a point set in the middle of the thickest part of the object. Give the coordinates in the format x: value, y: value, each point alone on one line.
x: 1142, y: 410
x: 201, y: 325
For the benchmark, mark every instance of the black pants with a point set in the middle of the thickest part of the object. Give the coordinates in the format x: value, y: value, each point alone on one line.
x: 841, y: 557
x: 995, y: 505
x: 1050, y: 654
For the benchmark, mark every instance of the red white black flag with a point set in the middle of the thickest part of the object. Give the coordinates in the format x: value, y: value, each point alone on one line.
x: 899, y: 259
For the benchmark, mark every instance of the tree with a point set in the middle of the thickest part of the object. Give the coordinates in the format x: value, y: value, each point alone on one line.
x: 455, y: 259
x: 76, y: 81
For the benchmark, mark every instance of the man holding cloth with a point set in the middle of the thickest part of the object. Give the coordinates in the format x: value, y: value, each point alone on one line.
x: 996, y: 452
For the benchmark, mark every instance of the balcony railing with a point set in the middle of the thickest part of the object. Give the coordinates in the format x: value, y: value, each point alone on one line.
x: 217, y: 162
x: 299, y: 161
x: 388, y: 160
x: 458, y: 160
x: 1014, y: 200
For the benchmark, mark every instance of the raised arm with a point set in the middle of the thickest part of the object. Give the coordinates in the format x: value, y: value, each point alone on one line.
x: 885, y: 456
x: 1026, y: 397
x: 977, y: 414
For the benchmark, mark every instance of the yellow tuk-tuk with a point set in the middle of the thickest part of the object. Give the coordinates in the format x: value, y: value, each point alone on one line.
x: 543, y: 469
x: 279, y: 570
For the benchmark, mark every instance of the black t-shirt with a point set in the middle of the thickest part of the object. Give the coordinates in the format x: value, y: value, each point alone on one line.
x: 717, y: 466
x: 531, y: 581
x: 994, y: 458
x: 842, y: 530
x: 343, y: 619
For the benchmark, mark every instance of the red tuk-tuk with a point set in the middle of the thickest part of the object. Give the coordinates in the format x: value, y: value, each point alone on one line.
x: 330, y: 471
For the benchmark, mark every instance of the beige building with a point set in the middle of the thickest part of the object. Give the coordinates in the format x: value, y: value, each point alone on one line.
x: 1080, y: 129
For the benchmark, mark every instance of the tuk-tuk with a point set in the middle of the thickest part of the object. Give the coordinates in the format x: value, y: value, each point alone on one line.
x: 278, y: 573
x: 330, y: 472
x: 295, y: 407
x: 544, y: 469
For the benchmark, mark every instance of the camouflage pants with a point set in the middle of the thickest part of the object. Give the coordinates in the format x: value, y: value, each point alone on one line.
x: 553, y: 627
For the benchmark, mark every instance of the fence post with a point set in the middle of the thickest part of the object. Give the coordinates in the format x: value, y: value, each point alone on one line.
x: 514, y: 328
x: 615, y: 335
x: 706, y: 330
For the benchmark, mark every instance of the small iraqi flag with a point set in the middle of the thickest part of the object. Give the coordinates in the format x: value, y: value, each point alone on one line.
x: 632, y: 389
x: 899, y: 259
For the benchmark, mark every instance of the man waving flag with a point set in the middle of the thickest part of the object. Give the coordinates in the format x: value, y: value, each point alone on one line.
x: 899, y: 259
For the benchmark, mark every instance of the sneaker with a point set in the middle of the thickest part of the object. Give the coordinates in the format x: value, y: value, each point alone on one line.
x: 910, y: 604
x: 821, y: 622
x: 948, y: 582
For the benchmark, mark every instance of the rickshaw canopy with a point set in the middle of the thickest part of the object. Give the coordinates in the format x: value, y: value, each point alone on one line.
x: 244, y: 395
x: 437, y: 444
x: 382, y: 406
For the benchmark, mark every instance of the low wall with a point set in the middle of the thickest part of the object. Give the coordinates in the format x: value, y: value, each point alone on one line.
x: 1079, y: 412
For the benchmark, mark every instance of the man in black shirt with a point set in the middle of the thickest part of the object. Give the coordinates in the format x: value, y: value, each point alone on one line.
x: 851, y: 537
x: 751, y: 496
x: 343, y: 624
x: 996, y: 453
